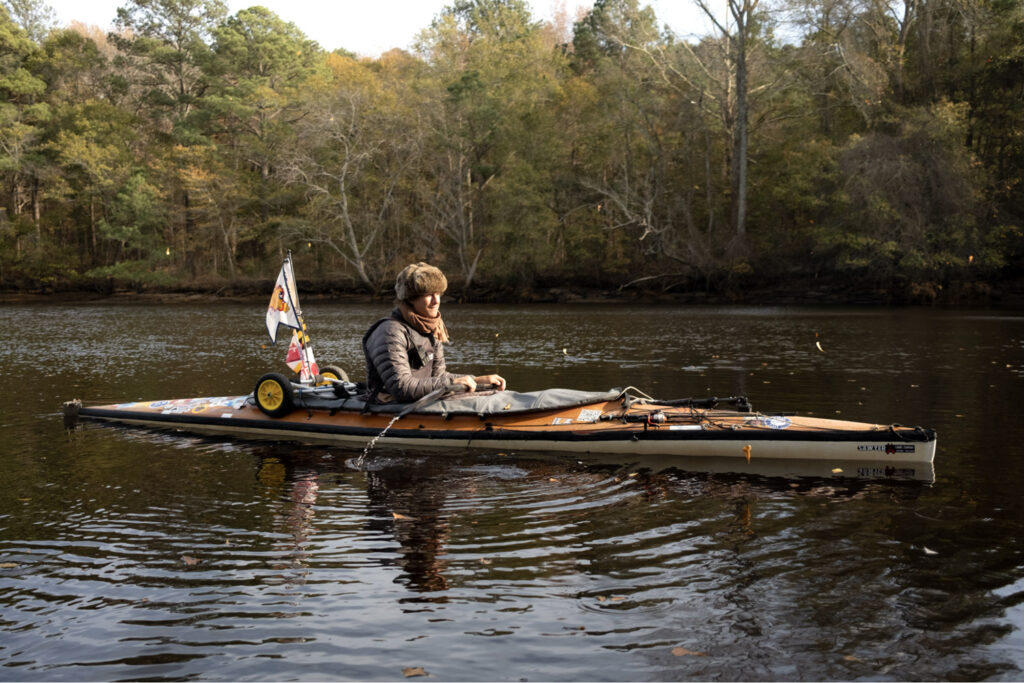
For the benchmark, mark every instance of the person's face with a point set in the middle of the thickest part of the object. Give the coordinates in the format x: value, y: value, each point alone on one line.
x: 427, y: 305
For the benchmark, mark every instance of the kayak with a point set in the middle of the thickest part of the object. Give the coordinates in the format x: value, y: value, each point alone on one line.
x: 323, y: 406
x: 619, y: 422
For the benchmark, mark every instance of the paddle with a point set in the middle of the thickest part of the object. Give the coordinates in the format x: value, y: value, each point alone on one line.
x: 456, y: 388
x: 426, y: 400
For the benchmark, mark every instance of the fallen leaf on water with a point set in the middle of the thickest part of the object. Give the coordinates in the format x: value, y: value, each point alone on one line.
x: 8, y: 565
x: 617, y: 598
x: 189, y: 560
x: 929, y: 551
x: 683, y: 652
x: 818, y: 344
x: 601, y: 598
x: 633, y: 474
x: 552, y: 480
x: 411, y: 671
x: 398, y: 515
x: 852, y: 658
x: 837, y: 470
x: 484, y: 560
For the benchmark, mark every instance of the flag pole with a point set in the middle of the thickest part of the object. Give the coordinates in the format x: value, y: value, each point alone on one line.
x: 293, y: 290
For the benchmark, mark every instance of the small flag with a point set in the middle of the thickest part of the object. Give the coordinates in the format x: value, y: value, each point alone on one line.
x: 283, y: 308
x: 301, y: 359
x: 294, y: 357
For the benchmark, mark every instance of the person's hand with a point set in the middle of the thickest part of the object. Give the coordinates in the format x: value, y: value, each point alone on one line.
x: 497, y: 380
x: 468, y: 380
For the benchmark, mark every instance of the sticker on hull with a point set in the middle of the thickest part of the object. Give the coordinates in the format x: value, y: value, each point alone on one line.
x: 198, y: 405
x: 889, y: 448
x: 770, y: 421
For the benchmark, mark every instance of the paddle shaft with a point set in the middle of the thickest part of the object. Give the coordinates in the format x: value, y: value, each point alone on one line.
x: 436, y: 394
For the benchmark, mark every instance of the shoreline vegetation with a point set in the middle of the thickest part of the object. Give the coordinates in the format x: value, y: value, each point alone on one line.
x: 821, y: 291
x: 829, y: 151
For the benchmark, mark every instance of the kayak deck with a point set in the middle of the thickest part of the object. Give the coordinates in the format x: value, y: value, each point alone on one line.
x: 614, y: 422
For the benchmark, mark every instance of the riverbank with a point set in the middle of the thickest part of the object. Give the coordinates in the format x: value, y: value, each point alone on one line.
x: 1008, y: 295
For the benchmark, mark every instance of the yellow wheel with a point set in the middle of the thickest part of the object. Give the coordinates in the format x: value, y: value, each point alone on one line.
x: 329, y: 372
x: 274, y: 394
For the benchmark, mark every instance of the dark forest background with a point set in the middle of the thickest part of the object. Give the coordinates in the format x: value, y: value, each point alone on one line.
x: 807, y: 146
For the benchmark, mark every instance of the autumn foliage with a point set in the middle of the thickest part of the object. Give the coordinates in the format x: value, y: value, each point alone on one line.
x: 797, y: 144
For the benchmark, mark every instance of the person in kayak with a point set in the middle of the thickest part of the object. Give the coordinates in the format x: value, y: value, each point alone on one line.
x: 405, y: 351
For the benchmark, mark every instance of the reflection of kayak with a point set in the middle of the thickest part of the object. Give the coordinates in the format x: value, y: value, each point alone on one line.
x: 618, y: 422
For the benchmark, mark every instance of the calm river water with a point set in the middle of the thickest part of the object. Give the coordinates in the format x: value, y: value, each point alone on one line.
x: 143, y: 555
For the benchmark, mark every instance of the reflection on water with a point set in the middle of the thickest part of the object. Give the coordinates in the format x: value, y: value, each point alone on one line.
x: 137, y: 554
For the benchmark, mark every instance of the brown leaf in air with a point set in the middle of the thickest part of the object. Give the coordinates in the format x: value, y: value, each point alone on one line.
x: 683, y: 652
x: 411, y: 671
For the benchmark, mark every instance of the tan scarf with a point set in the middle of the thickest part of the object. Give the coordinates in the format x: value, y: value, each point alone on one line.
x: 434, y: 326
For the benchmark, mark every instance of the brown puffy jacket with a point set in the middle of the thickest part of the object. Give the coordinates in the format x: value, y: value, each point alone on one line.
x: 402, y: 365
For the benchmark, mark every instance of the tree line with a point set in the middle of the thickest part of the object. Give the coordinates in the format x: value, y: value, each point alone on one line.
x: 878, y: 142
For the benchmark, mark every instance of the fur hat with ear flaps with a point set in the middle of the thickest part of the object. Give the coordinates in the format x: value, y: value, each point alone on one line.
x: 419, y: 279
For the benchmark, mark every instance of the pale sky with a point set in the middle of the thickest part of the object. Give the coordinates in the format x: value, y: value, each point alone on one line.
x: 368, y: 27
